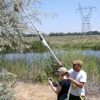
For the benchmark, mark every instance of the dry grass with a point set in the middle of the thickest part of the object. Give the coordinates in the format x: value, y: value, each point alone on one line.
x: 27, y: 91
x: 66, y: 39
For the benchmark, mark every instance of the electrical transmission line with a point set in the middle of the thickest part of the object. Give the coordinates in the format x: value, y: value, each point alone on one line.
x: 86, y: 27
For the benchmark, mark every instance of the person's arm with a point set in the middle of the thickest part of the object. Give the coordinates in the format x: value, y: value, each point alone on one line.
x: 55, y: 89
x: 79, y: 84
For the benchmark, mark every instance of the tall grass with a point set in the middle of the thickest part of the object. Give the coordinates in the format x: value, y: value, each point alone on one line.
x: 42, y: 68
x: 60, y: 42
x: 81, y: 45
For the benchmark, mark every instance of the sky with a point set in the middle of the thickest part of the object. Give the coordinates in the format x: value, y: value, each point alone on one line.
x: 68, y: 19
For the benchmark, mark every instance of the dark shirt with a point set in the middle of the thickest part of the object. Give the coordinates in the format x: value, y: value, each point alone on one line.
x: 65, y: 84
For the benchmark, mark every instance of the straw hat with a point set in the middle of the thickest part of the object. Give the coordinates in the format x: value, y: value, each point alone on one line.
x: 77, y: 62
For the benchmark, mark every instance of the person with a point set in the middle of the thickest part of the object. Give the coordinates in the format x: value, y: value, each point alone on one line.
x: 63, y: 86
x: 78, y: 79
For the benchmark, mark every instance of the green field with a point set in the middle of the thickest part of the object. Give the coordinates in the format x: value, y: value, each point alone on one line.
x: 71, y: 41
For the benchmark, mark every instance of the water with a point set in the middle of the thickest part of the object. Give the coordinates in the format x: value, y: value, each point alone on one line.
x: 33, y: 56
x: 91, y: 52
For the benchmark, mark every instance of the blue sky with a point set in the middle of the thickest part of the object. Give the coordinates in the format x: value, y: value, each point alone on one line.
x: 67, y: 19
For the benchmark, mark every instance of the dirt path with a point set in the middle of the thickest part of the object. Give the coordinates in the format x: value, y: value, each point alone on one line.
x: 27, y: 91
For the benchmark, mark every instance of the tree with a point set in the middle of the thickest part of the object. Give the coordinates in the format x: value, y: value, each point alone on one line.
x: 14, y: 23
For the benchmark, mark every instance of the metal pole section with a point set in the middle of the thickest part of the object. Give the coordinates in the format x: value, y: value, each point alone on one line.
x: 41, y: 37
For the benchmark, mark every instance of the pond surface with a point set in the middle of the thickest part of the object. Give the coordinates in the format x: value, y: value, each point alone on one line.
x: 47, y: 54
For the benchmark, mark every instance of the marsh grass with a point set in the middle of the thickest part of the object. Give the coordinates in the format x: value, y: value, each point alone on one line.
x: 42, y: 68
x: 69, y: 42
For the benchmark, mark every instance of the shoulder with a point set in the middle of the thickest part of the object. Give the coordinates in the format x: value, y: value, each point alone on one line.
x: 83, y: 76
x: 71, y: 70
x: 64, y: 81
x: 83, y: 72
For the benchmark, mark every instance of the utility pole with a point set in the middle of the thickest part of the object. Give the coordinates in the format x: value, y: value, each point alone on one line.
x: 86, y: 27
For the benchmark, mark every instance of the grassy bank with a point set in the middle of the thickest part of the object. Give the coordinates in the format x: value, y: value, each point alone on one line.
x: 71, y: 41
x: 42, y: 68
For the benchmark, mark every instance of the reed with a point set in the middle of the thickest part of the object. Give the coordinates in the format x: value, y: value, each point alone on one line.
x: 42, y: 68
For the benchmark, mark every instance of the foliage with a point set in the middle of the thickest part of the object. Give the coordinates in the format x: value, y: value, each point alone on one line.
x: 13, y: 24
x: 97, y: 46
x: 42, y: 67
x: 37, y: 46
x: 7, y: 85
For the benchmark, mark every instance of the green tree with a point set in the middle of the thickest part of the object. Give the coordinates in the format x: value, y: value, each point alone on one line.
x: 13, y: 24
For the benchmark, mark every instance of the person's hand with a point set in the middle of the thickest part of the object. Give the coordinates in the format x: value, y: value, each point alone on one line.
x: 49, y: 82
x: 70, y: 79
x: 59, y: 63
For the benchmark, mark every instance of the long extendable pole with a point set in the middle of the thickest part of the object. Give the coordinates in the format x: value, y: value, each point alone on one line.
x: 40, y: 35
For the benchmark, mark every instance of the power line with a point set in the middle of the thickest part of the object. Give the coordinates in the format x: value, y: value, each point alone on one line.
x: 86, y: 27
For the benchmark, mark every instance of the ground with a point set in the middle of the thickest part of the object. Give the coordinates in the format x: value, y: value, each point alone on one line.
x: 29, y: 91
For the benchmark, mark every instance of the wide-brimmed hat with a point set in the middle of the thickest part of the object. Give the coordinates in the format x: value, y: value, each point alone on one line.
x: 77, y: 62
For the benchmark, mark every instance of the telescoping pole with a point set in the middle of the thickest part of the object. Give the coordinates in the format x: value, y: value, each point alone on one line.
x: 40, y: 35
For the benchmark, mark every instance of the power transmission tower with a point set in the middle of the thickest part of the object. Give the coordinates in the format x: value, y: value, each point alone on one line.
x: 86, y: 27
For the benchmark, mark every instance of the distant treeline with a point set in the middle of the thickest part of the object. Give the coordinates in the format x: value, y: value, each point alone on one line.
x: 61, y: 34
x: 64, y: 34
x: 74, y: 33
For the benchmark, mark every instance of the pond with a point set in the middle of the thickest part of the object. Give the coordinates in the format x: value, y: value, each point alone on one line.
x: 34, y: 56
